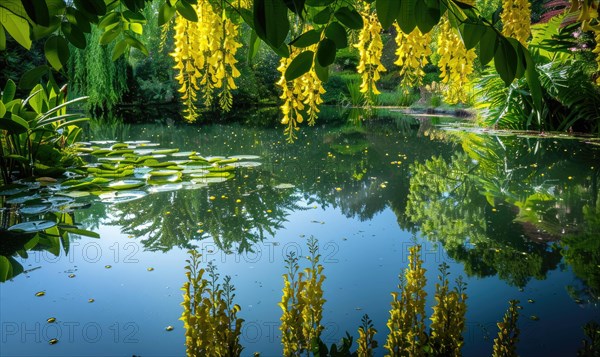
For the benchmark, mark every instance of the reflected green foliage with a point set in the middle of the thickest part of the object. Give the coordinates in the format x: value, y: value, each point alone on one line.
x: 480, y: 204
x: 235, y: 214
x: 582, y: 251
x: 21, y: 238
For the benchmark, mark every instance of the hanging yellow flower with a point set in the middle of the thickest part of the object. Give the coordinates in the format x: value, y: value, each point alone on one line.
x: 456, y: 64
x: 205, y: 57
x: 301, y: 96
x: 516, y: 20
x: 412, y: 52
x: 370, y: 49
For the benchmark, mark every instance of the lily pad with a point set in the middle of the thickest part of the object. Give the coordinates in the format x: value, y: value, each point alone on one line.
x: 190, y: 171
x: 35, y: 209
x: 12, y: 189
x: 183, y: 154
x: 18, y: 199
x: 137, y: 142
x: 121, y: 196
x: 125, y: 184
x: 245, y: 157
x: 164, y: 151
x: 165, y: 188
x: 32, y: 226
x: 246, y: 164
x: 163, y: 173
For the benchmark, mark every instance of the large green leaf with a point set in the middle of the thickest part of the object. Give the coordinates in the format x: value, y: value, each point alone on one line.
x: 74, y: 35
x: 322, y: 72
x: 533, y: 81
x: 56, y: 50
x: 308, y: 38
x: 299, y: 65
x: 110, y: 35
x: 186, y: 10
x: 487, y: 46
x: 165, y: 13
x: 37, y: 100
x: 337, y: 33
x: 471, y: 33
x: 505, y: 61
x: 295, y: 6
x: 349, y: 17
x: 407, y: 17
x: 253, y: 45
x: 271, y: 21
x: 323, y: 16
x: 2, y: 110
x: 8, y: 94
x: 326, y: 52
x: 387, y: 11
x: 14, y: 124
x: 33, y: 77
x: 92, y: 7
x: 2, y: 39
x: 37, y: 10
x: 76, y: 17
x: 119, y: 49
x: 17, y: 27
x: 427, y: 16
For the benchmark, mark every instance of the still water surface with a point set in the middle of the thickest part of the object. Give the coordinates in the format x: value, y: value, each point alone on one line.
x: 517, y: 216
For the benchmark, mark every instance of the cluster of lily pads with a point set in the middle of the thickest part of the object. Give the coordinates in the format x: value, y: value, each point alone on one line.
x: 116, y: 172
x: 119, y: 170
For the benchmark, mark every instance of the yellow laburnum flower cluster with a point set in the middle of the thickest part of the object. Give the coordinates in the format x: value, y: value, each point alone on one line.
x: 302, y: 303
x: 301, y: 96
x: 412, y: 52
x: 448, y: 318
x: 508, y: 332
x: 209, y: 316
x: 407, y: 317
x: 370, y: 49
x: 204, y: 57
x: 516, y: 19
x: 456, y: 64
x: 366, y: 338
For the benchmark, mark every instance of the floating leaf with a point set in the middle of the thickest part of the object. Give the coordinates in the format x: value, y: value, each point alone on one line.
x: 40, y: 293
x: 32, y: 226
x: 125, y: 184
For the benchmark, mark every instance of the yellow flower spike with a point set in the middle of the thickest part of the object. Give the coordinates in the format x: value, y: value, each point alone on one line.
x: 455, y: 63
x: 370, y: 49
x: 516, y: 19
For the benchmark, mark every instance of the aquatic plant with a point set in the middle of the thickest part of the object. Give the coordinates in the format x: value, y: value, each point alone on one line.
x: 36, y: 131
x: 209, y: 312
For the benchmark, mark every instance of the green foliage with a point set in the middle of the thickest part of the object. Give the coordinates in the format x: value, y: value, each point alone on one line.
x: 34, y: 129
x: 566, y: 103
x: 94, y: 73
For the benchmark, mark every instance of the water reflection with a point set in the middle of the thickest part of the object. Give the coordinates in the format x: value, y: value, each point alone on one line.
x: 508, y: 205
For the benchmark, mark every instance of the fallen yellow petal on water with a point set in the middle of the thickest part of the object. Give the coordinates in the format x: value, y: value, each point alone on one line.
x: 169, y: 328
x: 51, y: 320
x: 53, y: 341
x: 40, y: 293
x: 338, y: 189
x: 150, y: 269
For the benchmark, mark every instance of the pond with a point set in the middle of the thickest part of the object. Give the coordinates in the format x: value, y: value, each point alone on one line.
x: 517, y: 215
